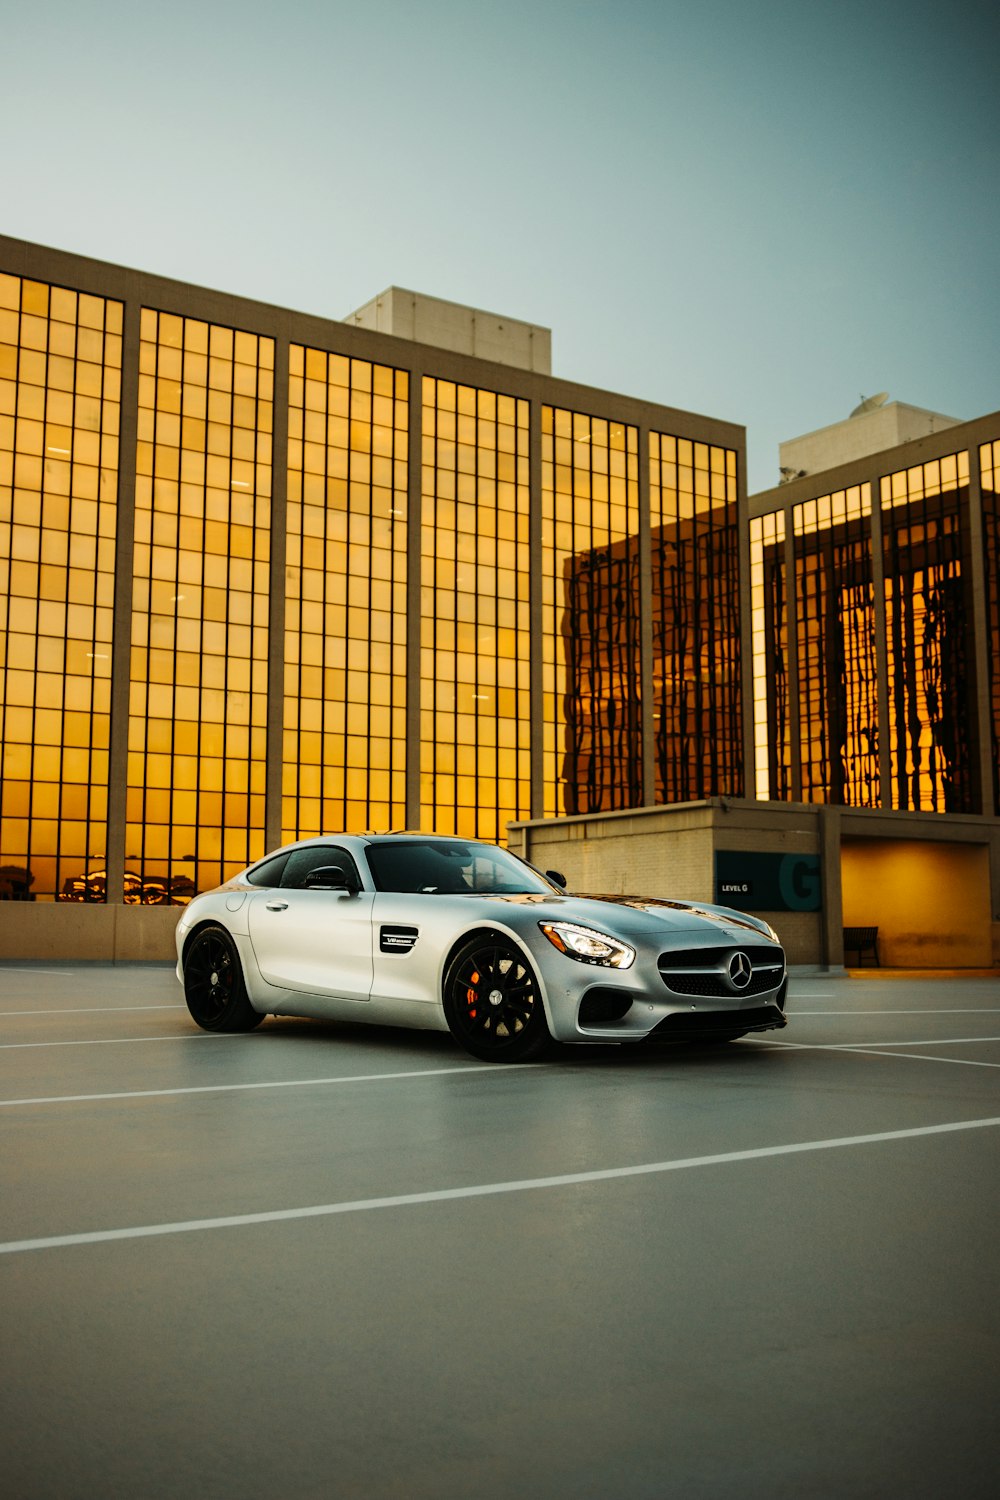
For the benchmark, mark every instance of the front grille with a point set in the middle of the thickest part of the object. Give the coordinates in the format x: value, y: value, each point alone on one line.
x: 713, y: 958
x: 717, y: 986
x: 705, y: 971
x: 686, y: 1024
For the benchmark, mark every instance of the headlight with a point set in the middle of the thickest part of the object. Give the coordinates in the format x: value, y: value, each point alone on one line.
x: 588, y: 946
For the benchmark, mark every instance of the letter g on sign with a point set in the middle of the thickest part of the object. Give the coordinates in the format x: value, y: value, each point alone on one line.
x: 798, y: 878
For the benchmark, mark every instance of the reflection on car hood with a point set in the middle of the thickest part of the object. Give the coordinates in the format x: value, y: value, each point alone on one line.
x: 636, y: 913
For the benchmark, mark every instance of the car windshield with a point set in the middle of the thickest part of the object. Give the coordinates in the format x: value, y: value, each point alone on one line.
x: 452, y: 868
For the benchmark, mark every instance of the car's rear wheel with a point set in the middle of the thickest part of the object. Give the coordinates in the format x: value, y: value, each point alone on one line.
x: 214, y: 987
x: 493, y: 1004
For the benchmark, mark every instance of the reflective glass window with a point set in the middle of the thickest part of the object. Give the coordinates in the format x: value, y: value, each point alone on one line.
x: 989, y: 462
x: 198, y: 689
x: 769, y: 655
x: 475, y: 645
x: 694, y: 537
x: 345, y: 625
x: 835, y: 624
x: 925, y: 530
x: 60, y: 390
x: 592, y: 746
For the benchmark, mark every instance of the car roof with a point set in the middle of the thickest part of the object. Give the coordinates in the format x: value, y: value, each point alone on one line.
x: 361, y: 840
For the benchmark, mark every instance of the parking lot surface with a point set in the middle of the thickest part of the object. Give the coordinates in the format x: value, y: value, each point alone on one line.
x: 330, y: 1261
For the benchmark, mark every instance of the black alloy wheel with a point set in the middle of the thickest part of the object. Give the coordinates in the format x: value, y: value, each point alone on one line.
x: 214, y: 987
x: 492, y: 1002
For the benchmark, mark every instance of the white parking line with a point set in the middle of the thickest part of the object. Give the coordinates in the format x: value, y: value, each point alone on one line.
x: 86, y: 1010
x: 875, y: 1049
x: 970, y: 1010
x: 484, y: 1190
x: 59, y: 973
x: 961, y: 1062
x: 934, y: 1041
x: 228, y: 1088
x: 117, y: 1041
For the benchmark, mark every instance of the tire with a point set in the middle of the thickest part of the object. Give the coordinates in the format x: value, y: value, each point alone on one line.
x: 214, y: 987
x: 492, y: 1002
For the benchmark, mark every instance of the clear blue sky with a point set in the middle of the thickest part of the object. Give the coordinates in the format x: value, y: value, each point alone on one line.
x: 755, y: 210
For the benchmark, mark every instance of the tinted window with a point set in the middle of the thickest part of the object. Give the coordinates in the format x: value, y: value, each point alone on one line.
x: 450, y: 868
x: 269, y: 872
x: 318, y: 857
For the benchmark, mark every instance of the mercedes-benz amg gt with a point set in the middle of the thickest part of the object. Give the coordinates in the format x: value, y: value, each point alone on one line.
x: 451, y: 934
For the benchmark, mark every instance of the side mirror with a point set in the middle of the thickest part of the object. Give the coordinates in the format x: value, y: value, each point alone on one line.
x: 328, y: 878
x: 556, y: 878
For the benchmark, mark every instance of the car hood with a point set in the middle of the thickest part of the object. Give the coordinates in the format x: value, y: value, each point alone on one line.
x: 639, y: 914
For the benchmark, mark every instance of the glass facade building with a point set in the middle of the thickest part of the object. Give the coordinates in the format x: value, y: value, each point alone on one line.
x: 264, y: 576
x: 876, y: 630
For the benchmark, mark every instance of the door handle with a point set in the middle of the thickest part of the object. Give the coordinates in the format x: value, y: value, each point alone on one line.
x: 276, y: 905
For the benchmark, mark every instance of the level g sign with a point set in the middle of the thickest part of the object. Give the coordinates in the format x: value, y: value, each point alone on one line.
x: 767, y: 882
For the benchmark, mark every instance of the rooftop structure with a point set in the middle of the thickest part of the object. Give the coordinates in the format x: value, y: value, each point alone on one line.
x: 874, y: 425
x: 463, y: 330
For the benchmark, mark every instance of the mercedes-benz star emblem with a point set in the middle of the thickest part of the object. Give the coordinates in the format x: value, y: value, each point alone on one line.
x: 739, y: 971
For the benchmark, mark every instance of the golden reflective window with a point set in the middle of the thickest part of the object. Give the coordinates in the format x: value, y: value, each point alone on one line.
x: 838, y: 750
x: 928, y: 605
x: 590, y: 644
x: 769, y: 656
x: 344, y: 762
x: 463, y: 512
x: 60, y: 356
x: 201, y: 599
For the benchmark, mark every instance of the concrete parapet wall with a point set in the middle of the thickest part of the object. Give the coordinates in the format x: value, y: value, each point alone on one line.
x: 64, y: 931
x: 626, y: 855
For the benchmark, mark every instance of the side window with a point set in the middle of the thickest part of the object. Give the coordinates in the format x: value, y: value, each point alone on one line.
x: 318, y: 857
x: 270, y: 872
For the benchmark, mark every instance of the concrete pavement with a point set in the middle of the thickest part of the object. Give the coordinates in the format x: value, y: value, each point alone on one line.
x: 341, y: 1262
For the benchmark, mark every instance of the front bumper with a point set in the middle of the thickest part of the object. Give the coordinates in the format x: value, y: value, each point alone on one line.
x: 697, y: 999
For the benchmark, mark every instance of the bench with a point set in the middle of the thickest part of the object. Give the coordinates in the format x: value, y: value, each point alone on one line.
x: 861, y: 940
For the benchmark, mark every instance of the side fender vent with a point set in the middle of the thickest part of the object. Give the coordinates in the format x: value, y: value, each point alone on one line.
x: 397, y: 939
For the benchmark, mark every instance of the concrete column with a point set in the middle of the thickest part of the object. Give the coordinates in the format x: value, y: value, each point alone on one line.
x: 121, y: 649
x: 792, y: 615
x: 881, y: 646
x: 276, y: 603
x: 749, y: 787
x: 647, y: 729
x: 414, y: 515
x: 536, y: 677
x: 832, y: 932
x: 982, y: 750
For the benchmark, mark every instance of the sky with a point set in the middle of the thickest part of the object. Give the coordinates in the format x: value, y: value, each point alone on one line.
x: 754, y: 209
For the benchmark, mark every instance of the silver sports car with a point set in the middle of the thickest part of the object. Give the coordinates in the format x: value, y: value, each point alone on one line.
x: 459, y: 936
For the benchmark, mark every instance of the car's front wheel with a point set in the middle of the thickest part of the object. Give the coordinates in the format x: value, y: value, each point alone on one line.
x: 214, y: 987
x: 493, y: 1004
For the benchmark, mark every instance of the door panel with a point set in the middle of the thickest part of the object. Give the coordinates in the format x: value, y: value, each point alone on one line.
x: 316, y: 942
x: 411, y: 931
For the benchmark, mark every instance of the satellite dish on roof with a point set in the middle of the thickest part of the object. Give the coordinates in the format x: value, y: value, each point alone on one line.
x: 870, y: 403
